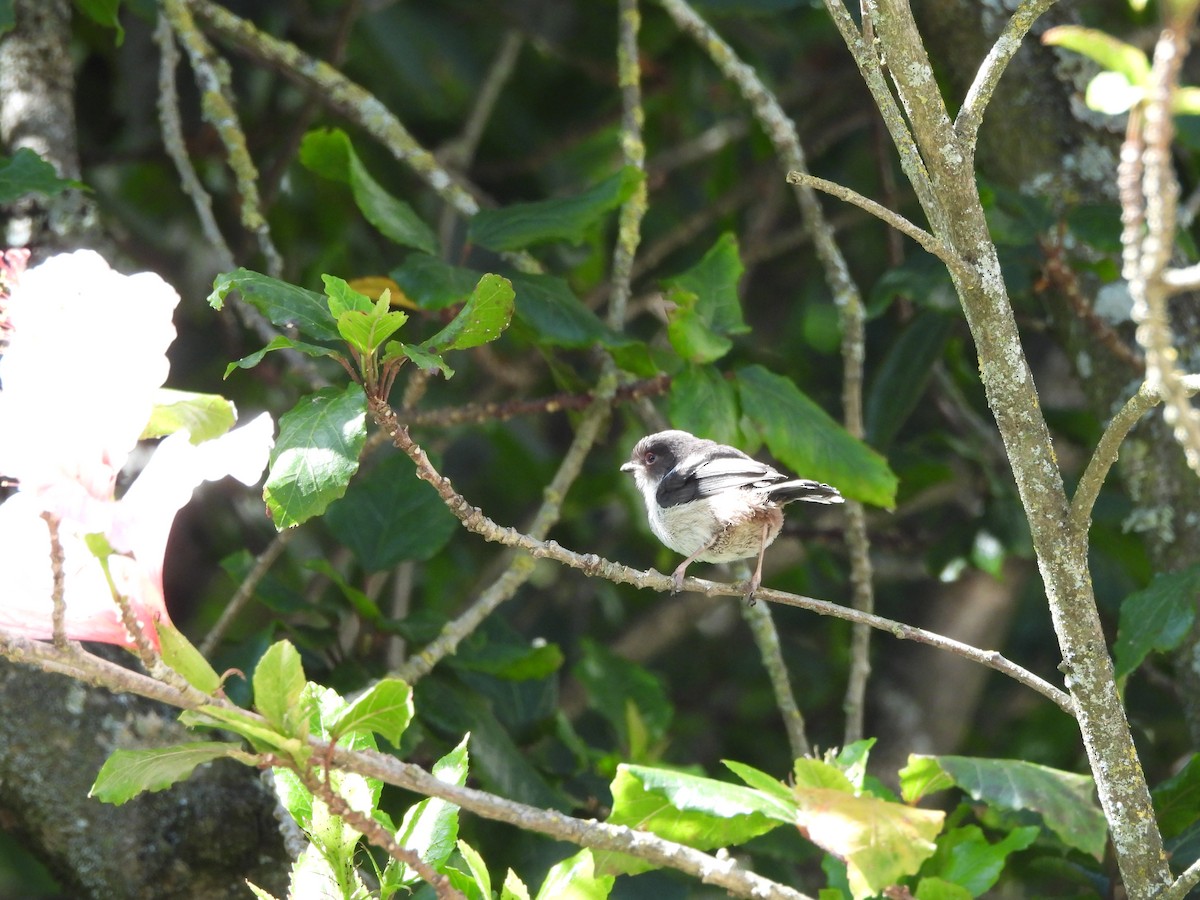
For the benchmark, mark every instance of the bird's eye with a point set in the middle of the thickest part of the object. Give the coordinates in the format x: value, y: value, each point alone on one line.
x: 650, y: 457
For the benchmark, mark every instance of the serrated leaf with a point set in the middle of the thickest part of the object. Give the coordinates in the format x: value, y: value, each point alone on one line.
x: 513, y: 888
x: 575, y: 878
x: 316, y: 454
x: 421, y: 358
x: 389, y: 515
x: 181, y: 655
x: 569, y: 219
x: 1157, y: 617
x: 285, y: 305
x: 430, y: 828
x: 483, y: 319
x: 880, y: 842
x: 27, y: 173
x: 385, y: 709
x: 477, y: 866
x: 281, y: 343
x: 714, y: 283
x: 278, y: 681
x: 806, y: 439
x: 128, y: 773
x: 329, y: 153
x: 1066, y: 801
x: 203, y: 416
x: 1101, y: 47
x: 704, y: 402
x: 366, y: 332
x: 903, y: 374
x: 689, y: 809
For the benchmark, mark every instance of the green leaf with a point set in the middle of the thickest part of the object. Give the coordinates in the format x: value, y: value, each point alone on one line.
x: 180, y: 654
x: 128, y: 773
x: 285, y: 305
x: 385, y: 709
x: 803, y: 437
x: 1157, y: 617
x: 570, y: 219
x: 1112, y: 54
x: 1066, y: 801
x: 714, y: 282
x: 389, y: 515
x: 281, y: 343
x: 816, y: 773
x: 704, y: 402
x: 8, y: 19
x: 262, y: 737
x: 433, y: 284
x: 692, y: 337
x: 689, y: 809
x: 548, y: 306
x: 342, y: 298
x: 27, y: 173
x: 421, y: 358
x: 278, y: 681
x: 903, y: 374
x: 483, y: 319
x: 965, y: 858
x: 366, y: 332
x: 103, y: 12
x: 329, y: 153
x: 922, y: 776
x: 936, y: 889
x: 430, y: 828
x: 203, y: 416
x: 1177, y: 800
x: 526, y: 661
x: 880, y: 841
x: 477, y: 866
x: 315, y: 454
x: 760, y: 780
x: 611, y: 682
x: 513, y: 888
x: 575, y: 878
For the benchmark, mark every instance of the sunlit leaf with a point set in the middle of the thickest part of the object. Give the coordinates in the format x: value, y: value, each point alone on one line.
x: 181, y: 655
x: 385, y: 709
x: 278, y: 681
x: 203, y: 416
x: 575, y: 878
x: 1111, y: 54
x: 315, y: 454
x: 128, y: 773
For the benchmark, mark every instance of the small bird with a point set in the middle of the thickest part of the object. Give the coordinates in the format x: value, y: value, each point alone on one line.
x: 713, y: 503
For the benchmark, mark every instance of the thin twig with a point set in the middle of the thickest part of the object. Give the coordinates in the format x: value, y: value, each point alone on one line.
x: 1184, y: 883
x: 766, y: 636
x: 970, y: 116
x: 633, y: 153
x: 597, y: 567
x: 1109, y: 446
x: 353, y: 101
x: 58, y: 581
x: 245, y: 590
x: 212, y: 78
x: 881, y: 212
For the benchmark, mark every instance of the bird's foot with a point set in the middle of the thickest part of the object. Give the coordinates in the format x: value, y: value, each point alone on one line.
x: 677, y: 579
x: 751, y: 586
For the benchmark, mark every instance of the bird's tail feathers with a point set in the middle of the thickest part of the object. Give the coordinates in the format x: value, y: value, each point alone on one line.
x: 804, y: 489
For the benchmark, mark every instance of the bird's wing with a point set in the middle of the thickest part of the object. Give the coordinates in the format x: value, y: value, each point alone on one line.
x: 703, y: 475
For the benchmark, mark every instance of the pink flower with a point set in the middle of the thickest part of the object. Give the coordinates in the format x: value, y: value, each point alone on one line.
x: 77, y: 384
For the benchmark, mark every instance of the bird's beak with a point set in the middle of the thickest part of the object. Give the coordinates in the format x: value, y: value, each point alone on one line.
x: 627, y: 467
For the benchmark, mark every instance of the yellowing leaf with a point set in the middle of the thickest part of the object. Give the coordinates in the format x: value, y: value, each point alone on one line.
x: 375, y: 285
x: 880, y: 842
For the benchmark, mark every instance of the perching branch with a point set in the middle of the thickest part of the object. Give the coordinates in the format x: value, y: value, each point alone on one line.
x: 596, y: 566
x: 970, y: 116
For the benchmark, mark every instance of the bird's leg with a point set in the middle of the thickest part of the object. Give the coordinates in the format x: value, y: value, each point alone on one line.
x: 756, y: 578
x: 677, y: 575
